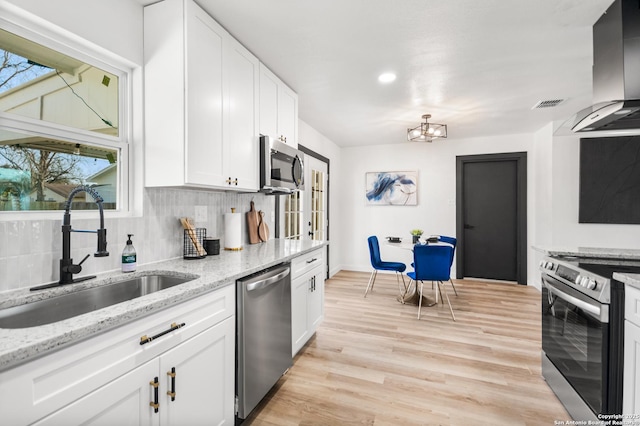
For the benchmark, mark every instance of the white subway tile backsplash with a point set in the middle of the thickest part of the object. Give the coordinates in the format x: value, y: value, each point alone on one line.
x: 10, y: 272
x: 13, y: 238
x: 30, y: 250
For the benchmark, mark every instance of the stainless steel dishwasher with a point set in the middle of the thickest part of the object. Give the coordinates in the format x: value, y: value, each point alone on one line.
x: 263, y: 334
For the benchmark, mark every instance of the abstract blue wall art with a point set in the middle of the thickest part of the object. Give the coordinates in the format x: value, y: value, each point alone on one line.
x: 392, y: 188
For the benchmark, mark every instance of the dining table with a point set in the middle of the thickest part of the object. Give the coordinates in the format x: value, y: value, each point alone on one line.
x: 414, y: 297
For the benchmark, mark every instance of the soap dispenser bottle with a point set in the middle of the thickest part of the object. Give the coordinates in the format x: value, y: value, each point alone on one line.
x: 129, y: 256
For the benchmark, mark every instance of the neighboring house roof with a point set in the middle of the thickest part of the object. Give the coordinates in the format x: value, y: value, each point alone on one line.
x: 101, y: 172
x: 61, y: 189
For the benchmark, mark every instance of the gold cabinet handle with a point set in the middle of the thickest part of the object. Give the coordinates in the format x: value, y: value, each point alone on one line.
x: 174, y: 326
x: 155, y: 403
x: 172, y: 392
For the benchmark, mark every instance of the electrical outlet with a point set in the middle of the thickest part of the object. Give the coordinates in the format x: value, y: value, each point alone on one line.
x: 201, y: 214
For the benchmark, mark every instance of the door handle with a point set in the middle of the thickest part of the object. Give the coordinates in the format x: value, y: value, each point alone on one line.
x: 467, y: 226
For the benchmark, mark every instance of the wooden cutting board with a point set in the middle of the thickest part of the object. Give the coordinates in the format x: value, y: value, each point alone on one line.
x: 263, y: 229
x: 253, y: 221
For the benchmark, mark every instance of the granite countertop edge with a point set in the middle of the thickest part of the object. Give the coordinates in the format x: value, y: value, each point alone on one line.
x: 213, y: 272
x: 591, y: 252
x: 632, y: 280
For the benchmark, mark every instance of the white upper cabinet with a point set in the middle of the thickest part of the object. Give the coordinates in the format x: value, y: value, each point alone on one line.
x: 241, y: 152
x: 201, y: 110
x: 278, y: 108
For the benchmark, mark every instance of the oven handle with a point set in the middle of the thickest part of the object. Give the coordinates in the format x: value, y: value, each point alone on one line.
x: 599, y: 313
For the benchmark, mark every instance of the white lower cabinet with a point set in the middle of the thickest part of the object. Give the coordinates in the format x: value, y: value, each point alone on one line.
x: 203, y: 385
x: 113, y: 379
x: 631, y: 387
x: 307, y: 297
x: 124, y: 401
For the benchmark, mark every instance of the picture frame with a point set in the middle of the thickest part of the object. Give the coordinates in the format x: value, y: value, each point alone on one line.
x: 391, y: 188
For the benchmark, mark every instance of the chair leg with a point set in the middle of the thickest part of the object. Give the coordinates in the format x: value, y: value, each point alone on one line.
x: 454, y: 287
x: 372, y: 279
x: 447, y: 296
x: 403, y: 283
x: 420, y: 299
x: 437, y: 290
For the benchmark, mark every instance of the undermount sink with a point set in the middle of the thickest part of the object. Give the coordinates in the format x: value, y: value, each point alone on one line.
x: 80, y: 302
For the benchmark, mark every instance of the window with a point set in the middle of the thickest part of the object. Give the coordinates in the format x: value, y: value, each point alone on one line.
x: 61, y: 125
x: 293, y: 216
x: 318, y: 205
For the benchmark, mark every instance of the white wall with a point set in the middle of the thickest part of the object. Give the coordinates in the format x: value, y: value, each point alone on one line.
x: 315, y: 141
x: 540, y: 218
x: 436, y: 210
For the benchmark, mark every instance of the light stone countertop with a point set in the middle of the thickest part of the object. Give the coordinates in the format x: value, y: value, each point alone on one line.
x: 213, y: 272
x: 632, y: 280
x: 591, y: 252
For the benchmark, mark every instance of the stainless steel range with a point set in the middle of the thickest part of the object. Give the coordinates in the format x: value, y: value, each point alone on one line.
x: 582, y: 334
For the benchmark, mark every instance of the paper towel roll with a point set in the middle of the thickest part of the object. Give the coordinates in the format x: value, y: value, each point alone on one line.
x: 233, y: 231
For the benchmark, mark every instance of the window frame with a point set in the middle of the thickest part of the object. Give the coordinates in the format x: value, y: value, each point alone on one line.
x: 53, y: 37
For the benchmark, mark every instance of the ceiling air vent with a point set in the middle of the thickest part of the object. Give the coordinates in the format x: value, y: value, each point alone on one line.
x: 550, y: 103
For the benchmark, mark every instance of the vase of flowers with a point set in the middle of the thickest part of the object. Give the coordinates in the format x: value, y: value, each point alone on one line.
x: 416, y: 234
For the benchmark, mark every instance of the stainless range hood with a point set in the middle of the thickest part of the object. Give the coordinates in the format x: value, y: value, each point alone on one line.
x: 616, y: 71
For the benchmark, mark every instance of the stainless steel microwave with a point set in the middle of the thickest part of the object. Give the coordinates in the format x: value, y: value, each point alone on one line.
x: 281, y: 167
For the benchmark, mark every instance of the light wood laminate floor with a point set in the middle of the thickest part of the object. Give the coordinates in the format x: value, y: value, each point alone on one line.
x: 373, y: 363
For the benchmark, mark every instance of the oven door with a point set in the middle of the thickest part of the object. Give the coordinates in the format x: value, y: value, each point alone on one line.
x: 574, y: 337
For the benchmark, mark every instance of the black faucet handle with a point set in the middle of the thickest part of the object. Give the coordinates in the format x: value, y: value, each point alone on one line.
x: 85, y: 258
x: 75, y: 269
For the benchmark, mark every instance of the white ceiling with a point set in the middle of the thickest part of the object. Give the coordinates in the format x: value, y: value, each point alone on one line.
x: 477, y: 66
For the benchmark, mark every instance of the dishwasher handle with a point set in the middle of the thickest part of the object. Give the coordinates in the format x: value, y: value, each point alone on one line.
x: 266, y: 282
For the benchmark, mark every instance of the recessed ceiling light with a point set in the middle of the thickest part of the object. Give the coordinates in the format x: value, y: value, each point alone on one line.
x: 386, y: 77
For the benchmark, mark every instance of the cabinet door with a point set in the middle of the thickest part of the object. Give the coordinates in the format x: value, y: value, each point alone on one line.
x: 278, y: 108
x: 299, y: 328
x: 268, y: 103
x: 204, y: 97
x: 240, y: 151
x: 123, y: 402
x: 204, y: 369
x: 315, y: 302
x: 288, y: 115
x: 631, y: 390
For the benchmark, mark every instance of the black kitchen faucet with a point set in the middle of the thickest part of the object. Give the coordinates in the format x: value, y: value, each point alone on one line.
x: 67, y: 267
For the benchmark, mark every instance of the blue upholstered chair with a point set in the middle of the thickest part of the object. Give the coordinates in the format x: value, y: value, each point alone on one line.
x: 453, y: 241
x: 432, y: 263
x: 379, y: 265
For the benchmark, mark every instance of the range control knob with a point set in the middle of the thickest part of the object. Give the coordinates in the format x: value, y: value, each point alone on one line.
x: 585, y: 282
x: 578, y: 280
x: 592, y: 284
